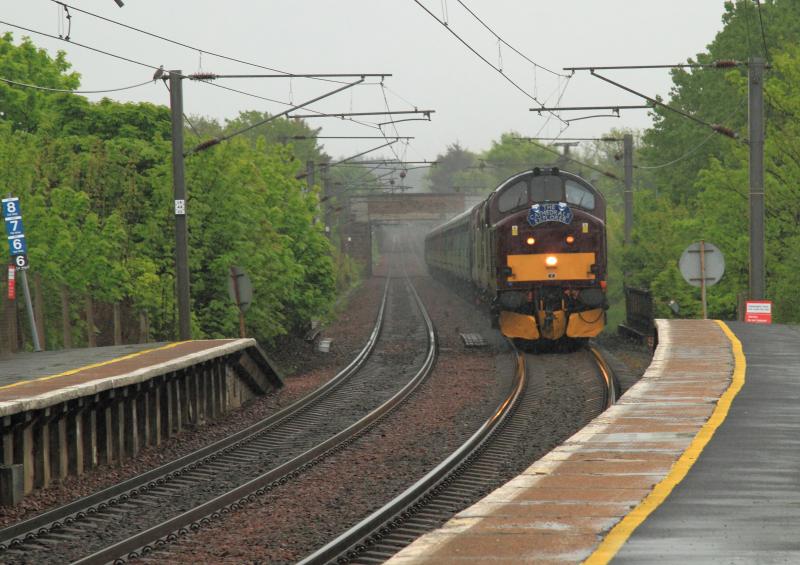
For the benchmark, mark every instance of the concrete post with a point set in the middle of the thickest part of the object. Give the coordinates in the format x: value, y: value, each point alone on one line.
x: 627, y: 144
x: 756, y: 131
x: 179, y: 193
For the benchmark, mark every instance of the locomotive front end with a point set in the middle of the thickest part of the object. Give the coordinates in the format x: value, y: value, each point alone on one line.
x: 550, y: 249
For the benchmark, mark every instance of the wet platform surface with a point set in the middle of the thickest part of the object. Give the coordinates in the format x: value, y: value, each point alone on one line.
x: 28, y: 366
x: 693, y: 465
x: 741, y: 501
x: 36, y: 380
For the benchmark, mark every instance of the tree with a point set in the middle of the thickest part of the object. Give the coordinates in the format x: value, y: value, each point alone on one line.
x: 455, y: 160
x: 714, y: 95
x: 25, y: 108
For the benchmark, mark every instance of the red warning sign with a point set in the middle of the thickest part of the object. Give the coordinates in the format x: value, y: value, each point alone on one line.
x: 12, y: 279
x: 758, y: 312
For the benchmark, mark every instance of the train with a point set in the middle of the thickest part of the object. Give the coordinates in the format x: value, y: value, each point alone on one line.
x: 535, y: 250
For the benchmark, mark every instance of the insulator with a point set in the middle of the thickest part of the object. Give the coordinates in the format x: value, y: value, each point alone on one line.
x: 724, y: 130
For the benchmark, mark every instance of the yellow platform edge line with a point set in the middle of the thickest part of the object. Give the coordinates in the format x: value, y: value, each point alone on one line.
x: 620, y: 533
x: 93, y: 365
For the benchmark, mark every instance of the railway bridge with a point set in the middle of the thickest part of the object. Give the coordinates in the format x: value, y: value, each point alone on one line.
x: 367, y: 213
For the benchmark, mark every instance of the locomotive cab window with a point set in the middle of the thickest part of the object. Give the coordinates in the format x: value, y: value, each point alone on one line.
x: 547, y: 188
x: 515, y: 196
x: 579, y: 195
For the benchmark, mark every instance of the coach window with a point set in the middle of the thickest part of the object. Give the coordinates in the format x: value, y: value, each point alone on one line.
x: 513, y: 197
x: 547, y: 188
x: 580, y: 196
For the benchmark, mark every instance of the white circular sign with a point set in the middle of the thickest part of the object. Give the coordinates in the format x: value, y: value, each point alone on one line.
x: 713, y: 263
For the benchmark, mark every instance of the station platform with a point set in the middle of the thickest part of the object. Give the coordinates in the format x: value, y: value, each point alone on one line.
x: 699, y: 462
x: 63, y: 412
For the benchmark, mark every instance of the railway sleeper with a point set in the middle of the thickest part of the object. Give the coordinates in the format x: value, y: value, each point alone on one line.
x: 412, y: 530
x: 390, y: 544
x: 474, y: 483
x: 375, y: 556
x: 371, y: 560
x: 433, y: 518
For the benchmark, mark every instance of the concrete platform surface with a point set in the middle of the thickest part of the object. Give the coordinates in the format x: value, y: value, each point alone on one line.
x: 30, y: 385
x: 64, y: 413
x: 27, y: 366
x: 741, y: 501
x: 607, y: 477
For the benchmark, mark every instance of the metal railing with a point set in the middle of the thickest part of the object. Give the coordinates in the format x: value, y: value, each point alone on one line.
x: 639, y: 313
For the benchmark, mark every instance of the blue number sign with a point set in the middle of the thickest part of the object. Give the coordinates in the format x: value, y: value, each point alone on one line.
x: 14, y: 226
x: 550, y: 212
x: 15, y: 233
x: 11, y: 207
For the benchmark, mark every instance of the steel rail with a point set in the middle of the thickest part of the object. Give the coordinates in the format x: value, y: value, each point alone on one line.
x: 361, y: 535
x: 611, y: 387
x: 44, y: 523
x: 383, y: 522
x: 170, y: 530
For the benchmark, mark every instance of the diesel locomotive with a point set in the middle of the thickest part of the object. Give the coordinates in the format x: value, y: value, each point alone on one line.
x: 535, y: 249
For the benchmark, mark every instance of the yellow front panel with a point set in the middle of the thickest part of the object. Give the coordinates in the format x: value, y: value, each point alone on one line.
x: 569, y: 267
x: 586, y: 324
x: 518, y: 325
x: 557, y: 326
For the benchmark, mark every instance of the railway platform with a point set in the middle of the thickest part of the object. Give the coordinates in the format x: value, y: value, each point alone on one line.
x: 698, y: 462
x: 63, y: 412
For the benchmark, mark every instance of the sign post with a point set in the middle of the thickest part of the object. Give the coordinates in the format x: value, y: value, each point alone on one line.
x: 12, y: 216
x: 240, y: 289
x: 703, y: 265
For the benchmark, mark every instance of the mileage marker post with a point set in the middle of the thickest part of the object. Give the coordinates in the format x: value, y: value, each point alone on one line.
x: 12, y: 218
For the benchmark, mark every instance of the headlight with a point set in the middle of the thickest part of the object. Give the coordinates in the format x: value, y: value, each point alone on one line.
x: 551, y: 261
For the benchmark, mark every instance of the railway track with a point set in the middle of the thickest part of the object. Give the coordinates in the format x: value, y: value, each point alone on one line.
x: 118, y: 523
x: 475, y: 469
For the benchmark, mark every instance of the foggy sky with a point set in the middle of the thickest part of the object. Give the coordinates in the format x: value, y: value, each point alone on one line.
x: 431, y: 69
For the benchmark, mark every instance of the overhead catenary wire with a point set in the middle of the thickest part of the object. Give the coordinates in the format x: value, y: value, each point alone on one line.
x: 694, y: 149
x: 506, y: 43
x: 214, y: 141
x: 68, y: 91
x: 180, y: 44
x: 581, y: 163
x: 763, y: 34
x: 391, y: 119
x: 186, y: 119
x: 716, y: 127
x: 215, y: 54
x: 477, y: 54
x: 558, y: 101
x: 154, y: 67
x: 689, y: 153
x: 357, y: 155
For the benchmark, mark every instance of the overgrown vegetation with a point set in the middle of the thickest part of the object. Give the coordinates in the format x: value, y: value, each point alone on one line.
x: 689, y: 182
x: 95, y: 185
